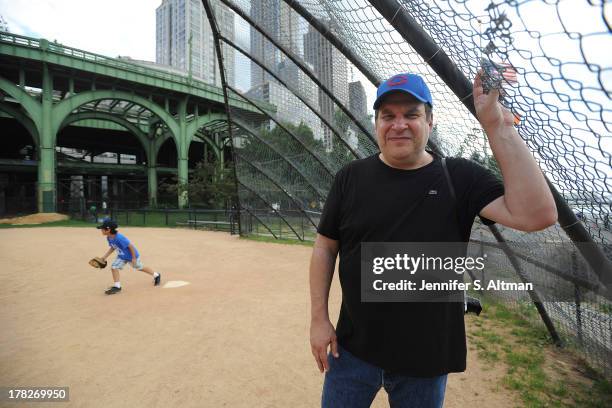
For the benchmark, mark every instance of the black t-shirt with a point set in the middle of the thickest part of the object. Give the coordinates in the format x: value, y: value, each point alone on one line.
x: 372, y: 202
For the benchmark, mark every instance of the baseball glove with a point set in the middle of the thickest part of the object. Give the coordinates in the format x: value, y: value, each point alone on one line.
x: 98, y: 262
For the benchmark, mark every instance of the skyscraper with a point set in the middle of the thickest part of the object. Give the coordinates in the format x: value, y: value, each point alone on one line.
x: 281, y: 22
x: 331, y: 68
x: 184, y: 39
x: 266, y: 14
x: 357, y: 105
x: 330, y: 65
x: 290, y: 38
x: 289, y: 109
x: 357, y: 100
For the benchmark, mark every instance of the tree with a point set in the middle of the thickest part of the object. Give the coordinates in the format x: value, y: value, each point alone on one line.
x: 283, y: 153
x: 345, y: 125
x: 210, y: 186
x: 341, y: 121
x: 281, y: 140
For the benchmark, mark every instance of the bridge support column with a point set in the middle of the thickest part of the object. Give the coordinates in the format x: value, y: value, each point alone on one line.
x: 47, y: 195
x: 151, y: 155
x: 221, y: 151
x: 46, y: 180
x: 183, y: 155
x: 152, y: 178
x: 183, y: 179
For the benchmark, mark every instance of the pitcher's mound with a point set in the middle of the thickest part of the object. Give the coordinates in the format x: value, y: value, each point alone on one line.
x: 175, y: 284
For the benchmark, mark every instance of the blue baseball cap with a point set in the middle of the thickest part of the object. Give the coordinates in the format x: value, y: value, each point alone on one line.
x: 107, y: 223
x: 409, y: 83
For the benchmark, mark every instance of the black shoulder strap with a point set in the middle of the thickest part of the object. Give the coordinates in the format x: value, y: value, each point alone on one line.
x: 448, y: 180
x: 451, y: 188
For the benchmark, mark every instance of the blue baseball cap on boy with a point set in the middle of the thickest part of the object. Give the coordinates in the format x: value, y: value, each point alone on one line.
x: 409, y: 83
x: 107, y: 224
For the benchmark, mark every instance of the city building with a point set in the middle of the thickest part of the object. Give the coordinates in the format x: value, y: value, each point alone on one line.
x: 266, y: 14
x: 184, y: 39
x: 331, y: 68
x: 357, y: 102
x: 282, y: 23
x: 290, y: 35
x: 289, y: 108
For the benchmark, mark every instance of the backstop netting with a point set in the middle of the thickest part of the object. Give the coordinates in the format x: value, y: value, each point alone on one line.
x: 311, y: 68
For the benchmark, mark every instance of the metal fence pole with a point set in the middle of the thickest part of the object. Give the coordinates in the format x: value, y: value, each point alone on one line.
x: 577, y: 299
x: 481, y: 255
x: 535, y: 297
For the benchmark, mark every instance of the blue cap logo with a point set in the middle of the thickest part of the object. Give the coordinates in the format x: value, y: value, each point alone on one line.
x: 397, y: 80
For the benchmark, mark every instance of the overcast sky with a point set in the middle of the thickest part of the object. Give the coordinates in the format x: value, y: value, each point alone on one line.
x: 127, y: 28
x: 109, y: 27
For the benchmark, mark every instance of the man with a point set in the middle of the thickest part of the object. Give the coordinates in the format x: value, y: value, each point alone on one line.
x: 409, y: 348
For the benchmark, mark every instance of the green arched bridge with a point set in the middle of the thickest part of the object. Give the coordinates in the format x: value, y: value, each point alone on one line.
x: 47, y: 87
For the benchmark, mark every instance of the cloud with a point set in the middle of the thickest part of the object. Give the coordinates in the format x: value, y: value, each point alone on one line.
x: 111, y: 27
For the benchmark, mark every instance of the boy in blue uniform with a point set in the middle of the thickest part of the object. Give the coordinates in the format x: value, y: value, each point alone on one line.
x: 126, y: 252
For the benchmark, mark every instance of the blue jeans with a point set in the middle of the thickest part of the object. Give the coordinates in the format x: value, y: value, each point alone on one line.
x: 353, y: 383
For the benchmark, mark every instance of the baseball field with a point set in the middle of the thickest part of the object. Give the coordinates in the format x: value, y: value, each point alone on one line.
x: 236, y: 336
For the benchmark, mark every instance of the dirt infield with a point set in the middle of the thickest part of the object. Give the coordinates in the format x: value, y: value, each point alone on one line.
x: 236, y: 336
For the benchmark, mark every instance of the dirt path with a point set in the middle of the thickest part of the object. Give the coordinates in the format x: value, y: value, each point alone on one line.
x: 237, y: 336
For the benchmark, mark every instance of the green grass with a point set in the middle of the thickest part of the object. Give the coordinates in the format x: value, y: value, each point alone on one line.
x: 603, y: 307
x: 280, y: 229
x: 522, y: 351
x: 261, y: 238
